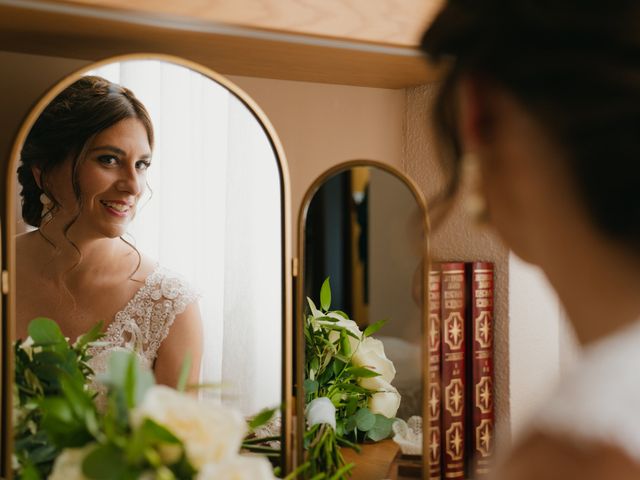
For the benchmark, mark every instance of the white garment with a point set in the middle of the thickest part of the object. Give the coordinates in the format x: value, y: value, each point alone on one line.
x: 143, y: 324
x: 599, y: 401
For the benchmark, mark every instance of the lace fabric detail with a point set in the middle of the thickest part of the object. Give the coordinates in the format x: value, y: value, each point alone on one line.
x: 143, y: 324
x: 598, y: 402
x: 408, y: 435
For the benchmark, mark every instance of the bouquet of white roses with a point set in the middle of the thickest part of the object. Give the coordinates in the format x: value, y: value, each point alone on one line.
x: 347, y: 386
x: 145, y: 431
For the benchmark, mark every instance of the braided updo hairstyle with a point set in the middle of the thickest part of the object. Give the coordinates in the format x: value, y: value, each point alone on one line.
x: 81, y: 111
x: 575, y: 66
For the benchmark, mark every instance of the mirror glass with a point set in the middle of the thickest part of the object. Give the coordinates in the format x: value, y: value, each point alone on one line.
x: 175, y: 246
x: 364, y: 230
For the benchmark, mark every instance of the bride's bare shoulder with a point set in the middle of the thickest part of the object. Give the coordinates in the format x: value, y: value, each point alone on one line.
x: 552, y: 457
x: 27, y: 248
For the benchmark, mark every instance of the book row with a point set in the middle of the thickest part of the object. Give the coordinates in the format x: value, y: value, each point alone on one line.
x: 461, y: 378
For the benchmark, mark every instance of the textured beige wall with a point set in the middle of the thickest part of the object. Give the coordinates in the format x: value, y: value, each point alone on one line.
x: 458, y: 238
x: 322, y: 125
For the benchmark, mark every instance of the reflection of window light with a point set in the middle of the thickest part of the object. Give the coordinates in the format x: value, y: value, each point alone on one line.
x: 358, y: 197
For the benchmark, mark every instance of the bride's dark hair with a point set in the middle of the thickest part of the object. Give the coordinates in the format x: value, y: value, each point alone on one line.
x: 63, y: 130
x: 575, y: 66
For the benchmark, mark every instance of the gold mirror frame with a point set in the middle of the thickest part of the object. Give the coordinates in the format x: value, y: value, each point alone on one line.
x: 300, y: 301
x: 8, y: 251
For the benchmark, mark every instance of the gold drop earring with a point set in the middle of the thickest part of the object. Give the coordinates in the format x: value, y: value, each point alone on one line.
x: 475, y: 203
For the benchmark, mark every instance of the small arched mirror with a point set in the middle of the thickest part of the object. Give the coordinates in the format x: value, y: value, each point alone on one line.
x: 138, y: 230
x: 361, y: 317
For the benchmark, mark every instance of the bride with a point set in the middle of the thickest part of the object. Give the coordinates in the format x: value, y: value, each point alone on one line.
x: 83, y: 173
x: 543, y: 101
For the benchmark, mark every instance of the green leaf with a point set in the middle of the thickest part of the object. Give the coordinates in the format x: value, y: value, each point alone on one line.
x: 350, y: 424
x: 61, y: 424
x: 310, y: 386
x: 91, y: 336
x: 327, y: 319
x: 362, y: 372
x: 184, y: 373
x: 130, y: 382
x: 156, y: 433
x: 373, y: 328
x: 127, y: 377
x: 381, y: 429
x: 365, y: 420
x: 261, y: 418
x: 345, y: 344
x: 105, y: 462
x: 337, y: 366
x: 325, y: 295
x: 45, y: 331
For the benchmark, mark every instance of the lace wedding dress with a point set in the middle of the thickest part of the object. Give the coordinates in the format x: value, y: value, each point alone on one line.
x: 143, y: 324
x: 599, y: 401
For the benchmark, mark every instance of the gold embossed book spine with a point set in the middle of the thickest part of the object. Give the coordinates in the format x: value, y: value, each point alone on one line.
x: 434, y: 394
x: 453, y: 369
x: 482, y: 320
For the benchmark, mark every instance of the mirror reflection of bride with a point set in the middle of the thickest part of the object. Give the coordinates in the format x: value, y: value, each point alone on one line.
x: 83, y: 174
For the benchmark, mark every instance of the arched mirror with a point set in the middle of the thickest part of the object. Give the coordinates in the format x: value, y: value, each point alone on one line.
x: 200, y: 209
x: 361, y: 319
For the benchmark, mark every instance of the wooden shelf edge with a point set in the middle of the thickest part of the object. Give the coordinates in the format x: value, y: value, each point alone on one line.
x: 75, y: 36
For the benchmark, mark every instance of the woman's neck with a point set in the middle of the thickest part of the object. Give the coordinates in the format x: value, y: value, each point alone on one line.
x: 598, y: 283
x: 75, y: 257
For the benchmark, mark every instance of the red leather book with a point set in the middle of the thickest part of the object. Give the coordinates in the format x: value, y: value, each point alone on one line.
x: 434, y: 399
x: 453, y: 368
x: 482, y: 366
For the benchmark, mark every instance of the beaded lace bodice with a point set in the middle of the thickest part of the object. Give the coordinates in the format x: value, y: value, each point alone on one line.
x: 599, y: 401
x: 143, y: 324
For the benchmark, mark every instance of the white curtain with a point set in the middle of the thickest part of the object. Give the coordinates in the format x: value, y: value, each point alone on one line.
x: 215, y: 218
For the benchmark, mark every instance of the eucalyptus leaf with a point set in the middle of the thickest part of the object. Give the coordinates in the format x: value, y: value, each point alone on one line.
x: 325, y: 295
x: 350, y: 424
x: 365, y: 420
x: 382, y: 428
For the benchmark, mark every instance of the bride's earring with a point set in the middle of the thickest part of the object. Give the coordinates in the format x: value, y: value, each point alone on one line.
x: 47, y: 207
x: 475, y: 203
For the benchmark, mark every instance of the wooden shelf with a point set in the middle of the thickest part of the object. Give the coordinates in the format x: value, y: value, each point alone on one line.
x: 87, y: 32
x: 373, y: 461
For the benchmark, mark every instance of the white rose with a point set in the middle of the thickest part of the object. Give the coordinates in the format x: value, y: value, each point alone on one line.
x: 209, y: 431
x: 68, y: 465
x: 238, y: 468
x: 386, y: 400
x: 321, y: 410
x: 370, y: 354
